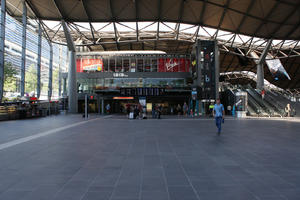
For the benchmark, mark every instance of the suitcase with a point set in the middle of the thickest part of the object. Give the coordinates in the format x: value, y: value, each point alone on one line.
x: 131, y: 115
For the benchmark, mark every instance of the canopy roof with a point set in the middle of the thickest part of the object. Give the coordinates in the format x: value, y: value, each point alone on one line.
x: 239, y: 26
x: 277, y: 19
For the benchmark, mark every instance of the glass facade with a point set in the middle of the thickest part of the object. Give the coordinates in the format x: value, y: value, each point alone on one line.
x: 94, y: 84
x: 13, y: 52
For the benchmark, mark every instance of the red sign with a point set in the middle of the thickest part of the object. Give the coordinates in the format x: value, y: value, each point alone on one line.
x: 173, y: 65
x: 86, y: 64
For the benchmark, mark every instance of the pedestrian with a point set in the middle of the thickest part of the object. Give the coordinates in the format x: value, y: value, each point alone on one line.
x: 178, y: 109
x: 153, y: 111
x: 288, y: 110
x: 128, y: 109
x: 263, y: 92
x: 159, y: 111
x: 229, y: 109
x: 107, y: 108
x: 233, y: 111
x: 185, y: 109
x: 218, y: 113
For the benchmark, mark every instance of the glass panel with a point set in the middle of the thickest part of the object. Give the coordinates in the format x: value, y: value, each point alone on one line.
x: 154, y: 65
x: 126, y: 64
x: 112, y: 64
x: 147, y: 65
x: 140, y: 65
x: 105, y: 64
x: 118, y: 64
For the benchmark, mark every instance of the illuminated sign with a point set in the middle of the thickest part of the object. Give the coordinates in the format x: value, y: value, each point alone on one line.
x: 121, y: 75
x: 86, y: 64
x: 122, y: 98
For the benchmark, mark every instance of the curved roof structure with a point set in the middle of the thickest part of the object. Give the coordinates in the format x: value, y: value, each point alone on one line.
x: 277, y: 19
x: 239, y: 26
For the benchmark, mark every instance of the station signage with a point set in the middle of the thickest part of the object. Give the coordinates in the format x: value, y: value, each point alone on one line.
x: 142, y: 91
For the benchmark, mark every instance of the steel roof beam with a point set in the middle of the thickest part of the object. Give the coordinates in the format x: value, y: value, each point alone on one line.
x: 222, y: 18
x: 89, y: 18
x: 237, y: 11
x: 136, y: 17
x: 59, y: 9
x: 245, y: 16
x: 267, y: 17
x: 114, y: 23
x: 181, y: 10
x: 70, y: 42
x: 284, y: 20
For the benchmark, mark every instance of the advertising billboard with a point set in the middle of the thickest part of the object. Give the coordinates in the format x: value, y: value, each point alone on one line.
x: 173, y: 65
x: 86, y: 64
x: 277, y: 70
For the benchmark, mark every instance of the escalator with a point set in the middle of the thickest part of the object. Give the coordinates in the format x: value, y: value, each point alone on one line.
x: 276, y: 104
x: 256, y: 107
x: 269, y: 109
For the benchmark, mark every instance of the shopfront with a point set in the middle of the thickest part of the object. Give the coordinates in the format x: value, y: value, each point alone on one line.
x: 119, y: 79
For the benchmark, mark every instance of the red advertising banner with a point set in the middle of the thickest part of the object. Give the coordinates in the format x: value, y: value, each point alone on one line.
x: 173, y: 65
x: 85, y: 64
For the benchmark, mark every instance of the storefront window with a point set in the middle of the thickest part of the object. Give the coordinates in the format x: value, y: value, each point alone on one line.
x: 119, y: 64
x: 105, y: 64
x: 154, y: 65
x: 112, y: 64
x: 140, y: 65
x: 147, y: 65
x: 126, y: 62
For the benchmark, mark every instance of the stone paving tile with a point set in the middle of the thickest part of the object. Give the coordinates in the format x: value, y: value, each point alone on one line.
x: 168, y: 159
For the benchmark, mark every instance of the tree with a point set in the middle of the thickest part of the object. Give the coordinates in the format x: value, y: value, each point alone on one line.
x: 55, y: 81
x: 10, y: 79
x: 31, y: 79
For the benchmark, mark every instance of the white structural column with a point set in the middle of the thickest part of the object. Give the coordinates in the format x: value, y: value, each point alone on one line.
x: 50, y: 72
x: 39, y: 62
x: 217, y: 68
x: 72, y: 80
x: 23, y: 63
x: 2, y: 41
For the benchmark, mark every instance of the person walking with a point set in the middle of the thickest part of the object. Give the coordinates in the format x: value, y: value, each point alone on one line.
x: 218, y: 113
x: 233, y: 111
x: 263, y: 92
x: 108, y: 109
x: 288, y: 110
x: 185, y: 109
x: 178, y: 109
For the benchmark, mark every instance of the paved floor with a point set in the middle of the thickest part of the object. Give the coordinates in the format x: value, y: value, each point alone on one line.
x: 168, y: 159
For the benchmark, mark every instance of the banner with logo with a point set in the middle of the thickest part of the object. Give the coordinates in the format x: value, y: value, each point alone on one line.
x: 86, y: 64
x: 173, y: 65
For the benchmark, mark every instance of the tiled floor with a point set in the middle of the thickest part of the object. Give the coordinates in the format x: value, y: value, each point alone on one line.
x: 168, y: 159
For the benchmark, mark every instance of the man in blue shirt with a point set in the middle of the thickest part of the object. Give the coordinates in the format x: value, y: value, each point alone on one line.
x: 219, y: 113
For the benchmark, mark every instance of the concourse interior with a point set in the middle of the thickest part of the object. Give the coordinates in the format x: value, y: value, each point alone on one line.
x: 149, y: 100
x: 109, y: 158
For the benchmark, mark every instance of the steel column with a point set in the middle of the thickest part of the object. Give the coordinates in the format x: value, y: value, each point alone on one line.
x: 59, y: 71
x: 102, y: 105
x: 72, y: 80
x: 217, y: 68
x: 2, y: 41
x: 23, y: 64
x: 64, y: 87
x: 39, y: 62
x: 260, y: 67
x: 50, y: 72
x: 72, y: 83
